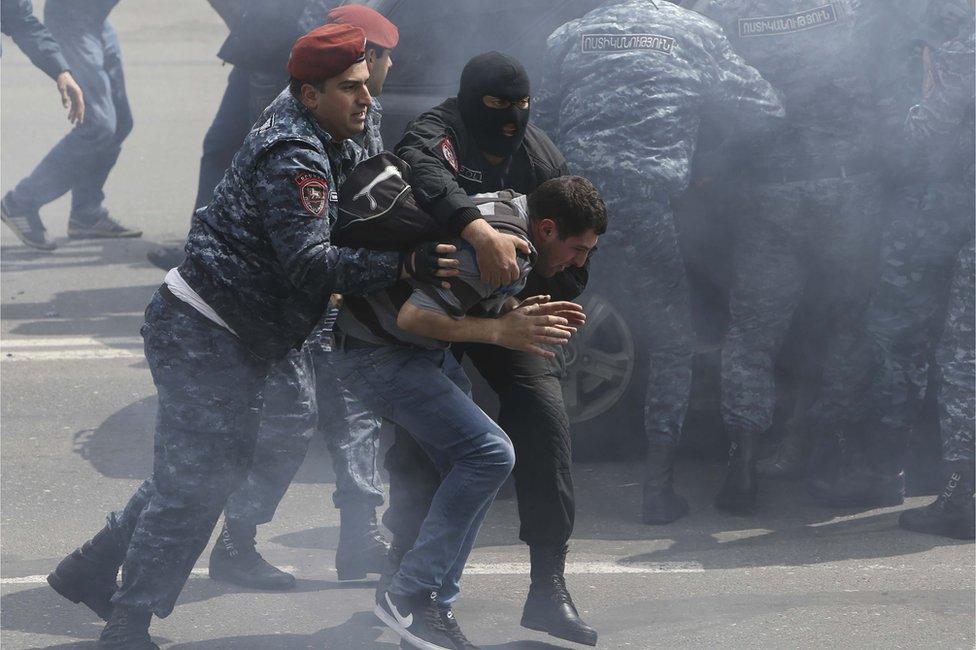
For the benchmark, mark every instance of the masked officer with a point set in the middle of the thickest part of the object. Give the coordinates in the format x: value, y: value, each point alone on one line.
x: 482, y: 141
x: 303, y: 395
x: 81, y: 161
x: 258, y: 275
x: 625, y: 89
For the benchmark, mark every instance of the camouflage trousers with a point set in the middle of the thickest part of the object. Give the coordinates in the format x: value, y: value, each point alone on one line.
x: 957, y: 362
x: 303, y: 397
x: 644, y: 275
x: 917, y: 312
x: 210, y: 393
x: 923, y: 310
x: 789, y: 235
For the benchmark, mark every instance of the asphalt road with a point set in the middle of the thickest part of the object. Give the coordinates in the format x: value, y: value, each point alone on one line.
x: 77, y: 404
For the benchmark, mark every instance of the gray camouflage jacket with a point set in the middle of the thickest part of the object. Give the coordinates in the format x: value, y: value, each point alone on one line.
x: 626, y: 87
x: 260, y: 254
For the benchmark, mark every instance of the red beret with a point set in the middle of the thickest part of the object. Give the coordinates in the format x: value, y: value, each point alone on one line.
x: 326, y: 51
x: 379, y: 30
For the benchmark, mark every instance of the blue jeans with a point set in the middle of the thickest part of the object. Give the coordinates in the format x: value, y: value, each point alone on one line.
x: 81, y: 161
x: 427, y: 393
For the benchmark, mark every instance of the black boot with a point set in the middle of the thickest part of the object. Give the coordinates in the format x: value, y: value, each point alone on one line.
x: 789, y: 460
x: 861, y: 487
x: 362, y: 548
x: 738, y: 493
x: 870, y: 474
x: 166, y: 258
x: 953, y: 514
x: 88, y: 574
x: 391, y: 565
x: 549, y: 607
x: 831, y: 457
x: 661, y: 504
x: 127, y: 629
x: 235, y: 560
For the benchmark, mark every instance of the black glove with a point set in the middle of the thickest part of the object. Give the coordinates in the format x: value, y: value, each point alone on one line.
x: 421, y: 263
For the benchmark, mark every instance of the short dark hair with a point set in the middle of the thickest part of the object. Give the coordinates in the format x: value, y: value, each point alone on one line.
x: 373, y: 46
x: 295, y: 86
x: 572, y: 202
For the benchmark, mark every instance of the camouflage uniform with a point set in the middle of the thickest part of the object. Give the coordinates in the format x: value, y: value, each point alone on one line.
x: 303, y: 396
x: 624, y: 91
x: 955, y: 357
x: 814, y: 210
x: 926, y: 252
x: 259, y: 256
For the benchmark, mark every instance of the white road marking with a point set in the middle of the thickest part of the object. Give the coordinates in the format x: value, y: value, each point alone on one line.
x: 72, y: 348
x: 605, y: 568
x: 70, y: 355
x: 485, y: 569
x: 67, y: 342
x: 42, y: 579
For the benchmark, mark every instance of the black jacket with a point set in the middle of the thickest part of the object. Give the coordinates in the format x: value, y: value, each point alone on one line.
x: 17, y: 21
x: 446, y: 167
x: 262, y: 36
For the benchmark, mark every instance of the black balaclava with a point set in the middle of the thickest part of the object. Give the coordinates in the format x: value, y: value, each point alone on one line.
x: 498, y: 75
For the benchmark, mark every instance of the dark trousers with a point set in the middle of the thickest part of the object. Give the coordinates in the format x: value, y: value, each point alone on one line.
x: 302, y: 397
x: 210, y: 393
x: 533, y: 415
x: 247, y: 94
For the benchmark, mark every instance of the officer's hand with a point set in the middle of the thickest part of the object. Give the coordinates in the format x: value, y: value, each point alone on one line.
x: 336, y: 300
x: 522, y: 330
x: 496, y: 252
x: 71, y: 97
x: 429, y: 261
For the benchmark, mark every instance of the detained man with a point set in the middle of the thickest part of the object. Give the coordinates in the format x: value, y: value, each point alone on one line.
x: 394, y: 355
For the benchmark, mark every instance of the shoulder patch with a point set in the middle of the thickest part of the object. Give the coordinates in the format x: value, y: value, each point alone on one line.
x: 788, y: 23
x: 597, y: 43
x: 446, y: 149
x: 472, y: 175
x: 313, y: 191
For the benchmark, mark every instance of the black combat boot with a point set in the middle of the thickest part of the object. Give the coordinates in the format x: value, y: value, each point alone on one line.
x: 235, y: 560
x: 738, y: 493
x: 362, y: 548
x: 953, y: 514
x: 549, y: 607
x: 870, y: 475
x: 88, y: 574
x: 127, y: 629
x: 391, y: 564
x: 861, y: 487
x: 789, y: 460
x: 661, y: 504
x: 830, y: 458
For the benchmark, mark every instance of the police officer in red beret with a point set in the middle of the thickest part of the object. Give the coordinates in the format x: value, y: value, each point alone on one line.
x: 299, y: 388
x: 257, y: 278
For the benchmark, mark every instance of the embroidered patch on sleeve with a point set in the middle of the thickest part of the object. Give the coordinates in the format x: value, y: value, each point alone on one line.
x: 446, y: 149
x: 313, y: 191
x: 788, y: 23
x: 597, y: 43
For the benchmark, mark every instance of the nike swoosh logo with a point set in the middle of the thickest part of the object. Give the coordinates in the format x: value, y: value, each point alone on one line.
x: 405, y: 621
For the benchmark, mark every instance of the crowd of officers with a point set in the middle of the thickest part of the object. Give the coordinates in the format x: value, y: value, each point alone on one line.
x: 837, y: 137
